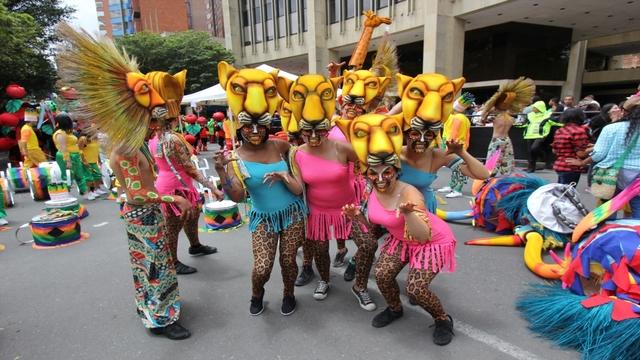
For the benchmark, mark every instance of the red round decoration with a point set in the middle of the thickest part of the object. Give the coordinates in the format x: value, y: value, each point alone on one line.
x: 15, y: 91
x: 191, y: 118
x: 202, y: 120
x: 9, y: 119
x: 218, y: 116
x: 69, y: 93
x: 190, y: 139
x: 7, y: 143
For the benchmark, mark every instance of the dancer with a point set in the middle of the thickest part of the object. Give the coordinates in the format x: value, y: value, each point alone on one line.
x: 121, y: 102
x: 457, y: 127
x: 258, y: 167
x: 176, y: 171
x: 68, y: 155
x: 326, y: 167
x: 29, y: 146
x: 90, y: 150
x: 421, y: 161
x: 416, y: 237
x: 511, y: 97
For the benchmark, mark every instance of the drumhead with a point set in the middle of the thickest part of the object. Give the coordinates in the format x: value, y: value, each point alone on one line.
x: 61, y: 203
x: 221, y: 205
x: 44, y: 219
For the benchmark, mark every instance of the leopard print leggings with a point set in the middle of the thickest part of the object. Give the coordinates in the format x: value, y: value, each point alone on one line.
x: 307, y: 250
x: 387, y: 269
x: 367, y: 245
x: 265, y: 244
x: 173, y: 225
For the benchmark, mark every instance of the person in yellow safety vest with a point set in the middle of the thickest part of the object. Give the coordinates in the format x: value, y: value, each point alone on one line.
x: 537, y: 129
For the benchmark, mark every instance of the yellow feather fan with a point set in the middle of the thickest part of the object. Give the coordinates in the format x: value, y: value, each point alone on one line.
x: 511, y: 96
x: 386, y: 62
x: 111, y: 91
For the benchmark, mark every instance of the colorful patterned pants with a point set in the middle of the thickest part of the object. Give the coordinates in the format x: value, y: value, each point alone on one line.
x: 507, y: 161
x: 387, y: 269
x: 154, y: 276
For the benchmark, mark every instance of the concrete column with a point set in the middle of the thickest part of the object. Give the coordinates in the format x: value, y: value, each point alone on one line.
x: 232, y: 28
x: 443, y: 50
x: 575, y: 70
x: 319, y: 56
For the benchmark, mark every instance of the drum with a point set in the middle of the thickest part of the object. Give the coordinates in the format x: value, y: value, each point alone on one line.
x: 52, y: 231
x: 18, y: 178
x: 39, y: 177
x: 222, y: 215
x: 53, y: 171
x: 58, y: 191
x: 7, y: 194
x: 68, y: 204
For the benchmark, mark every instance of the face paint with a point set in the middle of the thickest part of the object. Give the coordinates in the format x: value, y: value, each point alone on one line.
x: 382, y: 177
x: 314, y: 137
x: 254, y: 134
x: 419, y: 140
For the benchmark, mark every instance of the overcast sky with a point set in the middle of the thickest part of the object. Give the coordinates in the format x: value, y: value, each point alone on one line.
x: 85, y: 15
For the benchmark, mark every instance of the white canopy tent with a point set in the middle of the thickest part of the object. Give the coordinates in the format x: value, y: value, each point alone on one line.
x: 216, y: 95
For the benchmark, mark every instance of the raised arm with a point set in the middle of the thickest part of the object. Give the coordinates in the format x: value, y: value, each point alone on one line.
x: 417, y: 226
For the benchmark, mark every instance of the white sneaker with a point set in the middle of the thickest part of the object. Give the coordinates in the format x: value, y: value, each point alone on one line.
x: 445, y: 189
x: 321, y: 290
x: 90, y: 195
x: 453, y: 194
x: 3, y: 222
x: 100, y: 192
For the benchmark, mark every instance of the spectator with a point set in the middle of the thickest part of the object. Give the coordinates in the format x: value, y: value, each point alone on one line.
x: 556, y: 108
x: 601, y: 120
x: 568, y: 102
x: 570, y: 142
x: 536, y: 132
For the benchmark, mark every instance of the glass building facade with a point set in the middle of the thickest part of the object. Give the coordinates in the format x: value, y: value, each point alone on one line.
x: 121, y: 14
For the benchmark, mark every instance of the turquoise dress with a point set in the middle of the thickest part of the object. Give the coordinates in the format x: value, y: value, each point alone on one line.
x: 422, y: 180
x: 274, y: 205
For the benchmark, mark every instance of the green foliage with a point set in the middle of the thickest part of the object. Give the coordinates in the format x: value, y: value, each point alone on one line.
x: 195, y: 51
x: 27, y: 36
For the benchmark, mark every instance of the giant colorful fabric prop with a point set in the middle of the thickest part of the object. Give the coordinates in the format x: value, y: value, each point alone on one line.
x: 599, y: 315
x: 107, y: 80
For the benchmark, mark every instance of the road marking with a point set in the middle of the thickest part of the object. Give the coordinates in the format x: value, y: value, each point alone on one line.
x: 101, y: 224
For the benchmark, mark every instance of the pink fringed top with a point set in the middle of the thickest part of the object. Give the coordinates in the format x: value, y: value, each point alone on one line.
x: 437, y: 254
x: 329, y: 186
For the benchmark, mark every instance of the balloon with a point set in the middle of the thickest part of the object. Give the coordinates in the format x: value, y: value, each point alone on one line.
x: 202, y: 120
x: 15, y: 91
x: 191, y: 118
x: 190, y: 139
x: 69, y: 93
x: 7, y: 143
x: 218, y: 116
x: 9, y: 119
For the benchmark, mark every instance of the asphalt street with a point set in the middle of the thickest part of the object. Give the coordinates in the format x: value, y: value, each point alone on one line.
x: 77, y: 302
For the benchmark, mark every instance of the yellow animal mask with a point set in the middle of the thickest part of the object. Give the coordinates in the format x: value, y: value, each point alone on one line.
x: 376, y: 139
x: 288, y: 121
x: 143, y: 91
x: 170, y: 88
x: 427, y: 100
x: 312, y: 98
x: 251, y: 93
x: 359, y: 89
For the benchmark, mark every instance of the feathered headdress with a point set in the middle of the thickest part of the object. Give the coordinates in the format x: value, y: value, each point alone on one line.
x: 386, y: 62
x: 511, y: 96
x: 112, y: 92
x: 463, y: 102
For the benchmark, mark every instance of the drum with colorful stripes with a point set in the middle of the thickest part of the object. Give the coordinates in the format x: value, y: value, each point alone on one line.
x: 39, y: 178
x: 55, y: 232
x: 69, y: 204
x: 18, y: 178
x: 7, y: 193
x: 222, y: 215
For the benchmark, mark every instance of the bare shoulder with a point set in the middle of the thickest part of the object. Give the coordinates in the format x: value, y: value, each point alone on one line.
x: 282, y: 146
x: 411, y: 193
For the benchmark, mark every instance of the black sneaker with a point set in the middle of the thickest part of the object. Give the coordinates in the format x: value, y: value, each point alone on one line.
x: 305, y: 276
x: 443, y: 332
x: 202, y: 250
x: 350, y: 272
x: 182, y: 269
x: 364, y: 299
x: 338, y: 261
x: 288, y: 305
x: 386, y: 317
x: 174, y: 331
x: 256, y: 307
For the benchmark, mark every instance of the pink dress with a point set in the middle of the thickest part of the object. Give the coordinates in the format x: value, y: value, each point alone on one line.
x: 167, y: 183
x: 329, y: 186
x: 336, y: 134
x: 439, y: 251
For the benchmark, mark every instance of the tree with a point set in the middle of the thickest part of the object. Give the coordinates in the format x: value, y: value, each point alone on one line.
x: 27, y: 35
x: 195, y: 51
